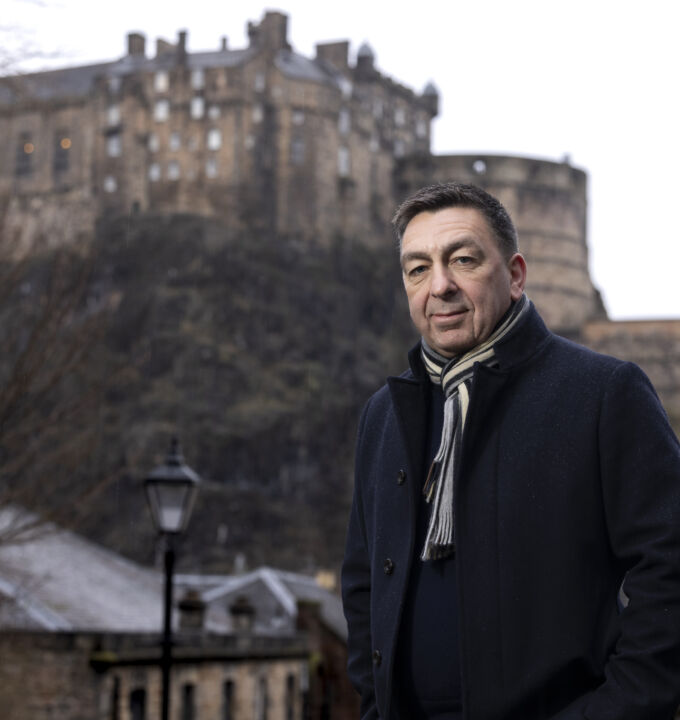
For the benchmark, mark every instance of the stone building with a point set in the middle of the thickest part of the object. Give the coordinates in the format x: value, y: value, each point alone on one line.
x: 80, y: 639
x: 262, y: 137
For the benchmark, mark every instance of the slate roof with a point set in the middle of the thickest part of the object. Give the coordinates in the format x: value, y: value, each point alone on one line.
x: 285, y: 588
x: 60, y: 581
x: 77, y: 82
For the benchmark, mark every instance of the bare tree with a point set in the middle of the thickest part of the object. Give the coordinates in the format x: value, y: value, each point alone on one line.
x: 51, y: 386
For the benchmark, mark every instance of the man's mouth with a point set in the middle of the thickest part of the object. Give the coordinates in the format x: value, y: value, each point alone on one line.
x: 444, y: 314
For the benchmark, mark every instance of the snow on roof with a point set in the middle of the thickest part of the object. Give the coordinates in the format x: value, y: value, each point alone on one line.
x: 286, y: 587
x: 58, y: 580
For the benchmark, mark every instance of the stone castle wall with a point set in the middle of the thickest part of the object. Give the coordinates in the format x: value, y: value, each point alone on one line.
x: 654, y: 345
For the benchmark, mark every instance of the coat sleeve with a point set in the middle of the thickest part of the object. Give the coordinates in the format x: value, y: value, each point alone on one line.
x: 640, y: 471
x: 356, y: 594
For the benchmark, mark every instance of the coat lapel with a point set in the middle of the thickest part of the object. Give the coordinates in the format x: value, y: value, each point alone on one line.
x: 410, y: 399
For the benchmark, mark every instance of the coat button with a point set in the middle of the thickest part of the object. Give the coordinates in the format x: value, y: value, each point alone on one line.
x: 401, y: 477
x: 388, y: 566
x: 377, y: 657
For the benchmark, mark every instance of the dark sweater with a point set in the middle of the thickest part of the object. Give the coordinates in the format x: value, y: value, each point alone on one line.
x: 427, y: 667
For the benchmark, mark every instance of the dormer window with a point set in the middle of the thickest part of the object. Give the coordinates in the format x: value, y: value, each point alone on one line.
x: 161, y: 111
x: 197, y: 107
x: 113, y: 116
x: 161, y: 81
x: 114, y: 146
x: 214, y: 139
x: 344, y: 121
x: 197, y: 79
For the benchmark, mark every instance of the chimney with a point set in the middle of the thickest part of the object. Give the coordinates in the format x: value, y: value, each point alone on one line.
x: 223, y: 45
x: 182, y: 45
x: 335, y: 53
x: 275, y: 30
x: 430, y: 99
x: 309, y: 621
x: 271, y: 33
x: 136, y: 43
x: 242, y: 614
x: 163, y: 47
x: 253, y: 34
x: 191, y: 611
x: 365, y: 62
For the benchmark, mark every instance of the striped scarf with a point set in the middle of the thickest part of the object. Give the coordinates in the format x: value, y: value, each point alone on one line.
x: 454, y: 375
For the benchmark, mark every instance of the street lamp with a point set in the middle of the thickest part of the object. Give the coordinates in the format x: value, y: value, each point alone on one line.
x: 171, y: 490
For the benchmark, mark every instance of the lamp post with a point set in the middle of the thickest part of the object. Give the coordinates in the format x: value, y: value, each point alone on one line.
x: 171, y: 490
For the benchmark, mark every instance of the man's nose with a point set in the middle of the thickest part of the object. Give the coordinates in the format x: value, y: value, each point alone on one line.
x: 443, y: 283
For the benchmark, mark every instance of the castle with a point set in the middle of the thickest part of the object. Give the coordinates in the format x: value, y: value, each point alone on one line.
x: 313, y: 150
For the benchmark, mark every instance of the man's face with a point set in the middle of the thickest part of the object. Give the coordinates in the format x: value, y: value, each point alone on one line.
x: 457, y: 282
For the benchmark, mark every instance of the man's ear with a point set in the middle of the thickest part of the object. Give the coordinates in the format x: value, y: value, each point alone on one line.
x: 518, y: 275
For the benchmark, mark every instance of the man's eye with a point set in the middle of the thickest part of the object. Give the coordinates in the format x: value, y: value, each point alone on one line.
x: 463, y: 260
x: 418, y: 270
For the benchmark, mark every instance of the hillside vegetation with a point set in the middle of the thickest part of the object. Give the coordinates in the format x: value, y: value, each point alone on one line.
x: 258, y: 354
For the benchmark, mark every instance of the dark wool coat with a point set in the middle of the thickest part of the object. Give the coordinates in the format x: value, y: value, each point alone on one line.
x: 569, y: 481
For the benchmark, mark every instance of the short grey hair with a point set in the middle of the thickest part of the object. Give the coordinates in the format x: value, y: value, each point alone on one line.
x: 445, y: 195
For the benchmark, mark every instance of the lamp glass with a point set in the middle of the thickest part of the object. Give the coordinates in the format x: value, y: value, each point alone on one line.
x: 170, y: 504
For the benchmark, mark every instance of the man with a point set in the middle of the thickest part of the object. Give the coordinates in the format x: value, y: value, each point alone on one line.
x: 513, y: 550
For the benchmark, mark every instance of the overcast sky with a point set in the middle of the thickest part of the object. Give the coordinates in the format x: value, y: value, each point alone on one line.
x: 596, y: 80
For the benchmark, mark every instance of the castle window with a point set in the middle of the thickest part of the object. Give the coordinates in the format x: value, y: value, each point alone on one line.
x: 197, y: 79
x: 138, y: 704
x: 259, y: 81
x: 374, y: 143
x: 113, y: 115
x: 344, y: 121
x: 261, y: 699
x: 154, y: 143
x: 479, y: 166
x: 114, y: 84
x: 258, y: 113
x: 249, y: 142
x: 214, y: 112
x: 192, y: 142
x: 346, y: 87
x: 173, y: 170
x: 60, y: 162
x: 298, y: 117
x: 110, y: 184
x: 399, y: 148
x: 290, y: 697
x: 23, y: 162
x: 211, y: 167
x: 114, y: 146
x: 343, y: 162
x: 214, y: 139
x: 114, y: 713
x: 175, y: 141
x: 161, y: 81
x: 421, y: 128
x: 188, y: 702
x: 161, y: 110
x: 197, y: 109
x: 399, y: 117
x: 154, y: 172
x: 377, y: 108
x: 297, y: 151
x: 228, y: 697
